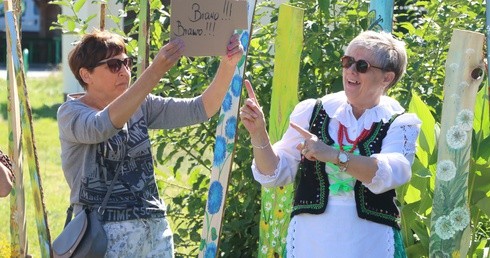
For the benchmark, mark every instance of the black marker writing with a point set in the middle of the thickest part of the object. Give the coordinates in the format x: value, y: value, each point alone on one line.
x: 198, y: 15
x: 182, y: 31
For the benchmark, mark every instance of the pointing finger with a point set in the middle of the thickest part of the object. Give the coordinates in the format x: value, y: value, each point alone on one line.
x: 250, y: 90
x: 302, y: 131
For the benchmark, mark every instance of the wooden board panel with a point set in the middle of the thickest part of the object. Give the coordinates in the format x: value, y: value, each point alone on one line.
x: 276, y: 202
x: 223, y: 151
x: 450, y: 219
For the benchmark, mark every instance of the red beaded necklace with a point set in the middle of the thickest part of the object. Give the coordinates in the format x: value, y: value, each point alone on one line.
x: 343, y: 131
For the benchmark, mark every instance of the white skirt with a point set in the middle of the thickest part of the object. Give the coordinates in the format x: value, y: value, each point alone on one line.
x: 338, y: 233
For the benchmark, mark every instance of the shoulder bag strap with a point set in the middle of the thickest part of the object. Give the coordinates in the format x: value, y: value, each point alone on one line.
x: 101, y: 208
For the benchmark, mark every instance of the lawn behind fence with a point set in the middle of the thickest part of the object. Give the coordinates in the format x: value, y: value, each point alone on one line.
x: 45, y: 96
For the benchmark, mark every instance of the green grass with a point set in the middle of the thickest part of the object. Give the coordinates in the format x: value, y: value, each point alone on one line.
x: 45, y: 96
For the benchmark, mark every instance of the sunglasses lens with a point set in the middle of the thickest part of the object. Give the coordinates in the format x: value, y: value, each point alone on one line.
x: 116, y: 64
x: 362, y: 66
x: 347, y: 61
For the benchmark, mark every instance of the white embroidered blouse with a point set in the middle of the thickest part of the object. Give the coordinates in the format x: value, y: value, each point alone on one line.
x: 394, y: 169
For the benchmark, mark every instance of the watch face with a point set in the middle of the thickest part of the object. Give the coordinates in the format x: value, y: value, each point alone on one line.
x: 343, y: 157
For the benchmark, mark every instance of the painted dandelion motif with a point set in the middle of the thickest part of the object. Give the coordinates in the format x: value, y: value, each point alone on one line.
x: 215, y: 196
x: 456, y: 137
x: 464, y: 84
x: 455, y: 99
x: 220, y: 150
x: 444, y: 228
x: 460, y: 218
x: 446, y: 170
x: 230, y: 127
x: 464, y: 119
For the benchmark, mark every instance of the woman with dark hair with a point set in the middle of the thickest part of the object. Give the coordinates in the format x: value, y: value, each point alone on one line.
x: 104, y: 133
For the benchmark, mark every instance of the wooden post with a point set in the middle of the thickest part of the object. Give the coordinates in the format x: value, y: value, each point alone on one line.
x: 143, y: 37
x: 223, y: 151
x: 450, y: 222
x: 102, y: 15
x: 487, y: 13
x: 276, y: 202
x: 25, y: 115
x: 381, y: 15
x: 18, y: 247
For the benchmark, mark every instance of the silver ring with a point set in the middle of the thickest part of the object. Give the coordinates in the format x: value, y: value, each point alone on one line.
x: 303, y: 144
x: 303, y: 151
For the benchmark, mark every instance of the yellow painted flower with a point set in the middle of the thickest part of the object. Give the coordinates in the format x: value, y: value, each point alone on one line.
x: 456, y: 254
x: 4, y: 247
x: 264, y: 225
x: 272, y: 253
x: 279, y: 213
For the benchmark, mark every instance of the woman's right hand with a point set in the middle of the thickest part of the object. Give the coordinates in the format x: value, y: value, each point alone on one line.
x: 170, y: 53
x: 252, y: 118
x: 251, y: 113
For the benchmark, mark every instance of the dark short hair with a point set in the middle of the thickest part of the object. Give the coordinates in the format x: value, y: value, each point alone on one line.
x: 91, y: 49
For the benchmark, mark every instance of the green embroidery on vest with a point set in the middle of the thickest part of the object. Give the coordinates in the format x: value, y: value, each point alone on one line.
x: 322, y: 191
x: 371, y: 212
x: 368, y: 153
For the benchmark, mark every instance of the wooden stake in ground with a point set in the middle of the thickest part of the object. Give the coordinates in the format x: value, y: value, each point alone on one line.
x: 15, y: 59
x: 450, y: 232
x: 102, y: 16
x: 223, y: 151
x: 276, y: 202
x: 487, y: 7
x: 18, y: 236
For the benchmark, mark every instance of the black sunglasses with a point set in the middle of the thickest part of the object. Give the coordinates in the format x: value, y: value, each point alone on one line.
x: 361, y: 65
x: 115, y: 64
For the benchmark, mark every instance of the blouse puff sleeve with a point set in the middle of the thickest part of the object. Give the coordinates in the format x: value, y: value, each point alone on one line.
x: 394, y: 160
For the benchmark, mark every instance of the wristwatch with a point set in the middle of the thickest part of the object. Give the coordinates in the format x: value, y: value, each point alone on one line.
x: 343, y: 158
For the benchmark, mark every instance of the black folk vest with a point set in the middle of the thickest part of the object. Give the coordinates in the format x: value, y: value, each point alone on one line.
x: 312, y: 185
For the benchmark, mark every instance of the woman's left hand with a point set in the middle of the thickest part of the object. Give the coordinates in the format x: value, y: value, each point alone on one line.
x: 234, y: 51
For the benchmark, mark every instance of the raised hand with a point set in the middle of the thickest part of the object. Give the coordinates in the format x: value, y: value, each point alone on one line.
x: 170, y: 53
x: 251, y: 112
x: 234, y: 51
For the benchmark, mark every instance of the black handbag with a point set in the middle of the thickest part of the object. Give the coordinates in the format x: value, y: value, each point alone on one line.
x: 84, y: 236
